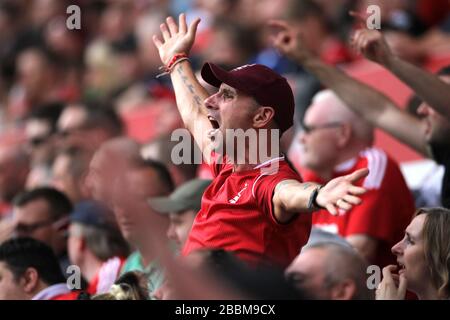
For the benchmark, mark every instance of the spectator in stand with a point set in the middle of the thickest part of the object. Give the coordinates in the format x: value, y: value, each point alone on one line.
x: 330, y: 271
x: 43, y: 214
x: 336, y: 142
x: 181, y: 207
x: 96, y: 245
x: 161, y: 149
x: 40, y: 129
x: 29, y: 270
x: 69, y: 171
x: 423, y: 257
x: 320, y: 39
x: 265, y: 191
x: 144, y: 180
x: 14, y: 169
x: 115, y: 155
x: 88, y: 126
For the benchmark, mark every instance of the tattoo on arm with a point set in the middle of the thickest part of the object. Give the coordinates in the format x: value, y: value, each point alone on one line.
x: 190, y: 87
x: 306, y: 185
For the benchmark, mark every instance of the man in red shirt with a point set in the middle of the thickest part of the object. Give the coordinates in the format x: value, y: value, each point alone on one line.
x: 335, y: 141
x: 252, y: 206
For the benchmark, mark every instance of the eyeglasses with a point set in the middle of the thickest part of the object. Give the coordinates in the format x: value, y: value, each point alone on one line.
x: 22, y: 228
x: 37, y: 141
x: 308, y: 129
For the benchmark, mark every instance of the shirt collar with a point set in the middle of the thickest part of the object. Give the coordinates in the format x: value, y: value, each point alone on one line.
x: 346, y: 165
x: 51, y: 292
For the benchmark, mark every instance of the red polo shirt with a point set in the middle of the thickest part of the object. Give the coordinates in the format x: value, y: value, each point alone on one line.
x: 237, y: 215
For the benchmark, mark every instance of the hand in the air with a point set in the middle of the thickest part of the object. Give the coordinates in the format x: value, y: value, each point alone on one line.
x: 176, y: 38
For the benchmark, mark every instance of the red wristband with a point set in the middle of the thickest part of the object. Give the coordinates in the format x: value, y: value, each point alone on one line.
x: 174, y: 59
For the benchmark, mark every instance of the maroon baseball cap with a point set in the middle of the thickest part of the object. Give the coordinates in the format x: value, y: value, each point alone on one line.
x: 262, y: 83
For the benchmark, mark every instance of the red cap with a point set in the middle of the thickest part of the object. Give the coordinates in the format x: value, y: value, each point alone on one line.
x: 262, y: 83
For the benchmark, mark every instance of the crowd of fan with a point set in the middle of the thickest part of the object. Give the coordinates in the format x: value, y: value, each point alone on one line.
x: 79, y: 188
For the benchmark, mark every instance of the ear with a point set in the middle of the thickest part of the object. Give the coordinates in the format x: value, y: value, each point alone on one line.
x: 30, y: 280
x: 344, y: 290
x: 263, y: 116
x: 344, y: 135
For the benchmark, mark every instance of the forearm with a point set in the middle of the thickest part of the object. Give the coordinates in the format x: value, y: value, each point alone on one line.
x: 188, y: 92
x: 426, y: 85
x: 371, y: 105
x: 359, y: 97
x: 295, y: 197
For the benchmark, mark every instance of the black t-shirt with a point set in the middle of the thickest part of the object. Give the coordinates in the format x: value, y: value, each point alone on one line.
x: 441, y: 154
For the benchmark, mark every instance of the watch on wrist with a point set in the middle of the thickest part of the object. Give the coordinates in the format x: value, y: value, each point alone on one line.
x: 312, y: 203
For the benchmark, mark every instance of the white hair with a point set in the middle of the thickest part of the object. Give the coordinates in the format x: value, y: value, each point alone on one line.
x: 335, y: 110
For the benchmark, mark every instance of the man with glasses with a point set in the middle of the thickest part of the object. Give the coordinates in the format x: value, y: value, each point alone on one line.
x: 335, y: 141
x: 43, y: 214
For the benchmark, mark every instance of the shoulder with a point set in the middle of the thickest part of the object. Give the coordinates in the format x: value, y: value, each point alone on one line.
x: 271, y: 176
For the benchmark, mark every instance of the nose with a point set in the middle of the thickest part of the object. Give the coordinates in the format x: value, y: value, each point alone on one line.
x: 423, y: 109
x: 171, y: 233
x: 210, y: 102
x: 397, y: 249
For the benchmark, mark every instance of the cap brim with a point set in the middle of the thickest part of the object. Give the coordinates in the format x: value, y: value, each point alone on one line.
x: 165, y: 205
x: 215, y: 75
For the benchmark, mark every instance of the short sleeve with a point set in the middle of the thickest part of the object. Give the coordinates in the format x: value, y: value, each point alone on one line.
x: 264, y: 187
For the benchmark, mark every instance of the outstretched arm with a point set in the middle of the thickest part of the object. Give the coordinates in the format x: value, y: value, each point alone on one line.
x: 292, y: 197
x: 178, y: 39
x: 434, y: 91
x: 370, y: 104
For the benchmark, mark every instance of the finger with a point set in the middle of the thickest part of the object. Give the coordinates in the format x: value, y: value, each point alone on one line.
x: 157, y: 41
x: 352, y: 199
x: 402, y: 286
x: 331, y: 209
x: 358, y: 174
x: 164, y: 31
x: 277, y: 24
x: 193, y: 27
x: 343, y: 205
x: 278, y: 40
x: 354, y: 190
x: 182, y: 23
x: 387, y: 273
x: 173, y: 28
x: 359, y: 17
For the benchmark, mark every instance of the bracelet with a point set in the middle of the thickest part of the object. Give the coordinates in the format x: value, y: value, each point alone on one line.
x: 312, y: 203
x: 175, y: 60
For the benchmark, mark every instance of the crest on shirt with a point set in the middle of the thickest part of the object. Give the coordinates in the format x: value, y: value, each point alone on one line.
x: 236, y: 198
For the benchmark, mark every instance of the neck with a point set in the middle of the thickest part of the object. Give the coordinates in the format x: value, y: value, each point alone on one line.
x: 263, y: 147
x: 91, y: 267
x: 428, y: 293
x: 327, y: 172
x: 147, y: 254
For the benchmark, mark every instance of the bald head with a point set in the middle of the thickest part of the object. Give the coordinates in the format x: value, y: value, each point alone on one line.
x: 327, y: 106
x: 111, y: 160
x: 330, y: 271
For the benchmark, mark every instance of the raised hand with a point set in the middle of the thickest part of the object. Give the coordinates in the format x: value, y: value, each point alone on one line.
x: 287, y: 40
x: 341, y: 192
x: 370, y: 43
x: 176, y: 38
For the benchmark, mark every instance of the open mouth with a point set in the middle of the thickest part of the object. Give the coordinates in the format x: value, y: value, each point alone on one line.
x: 402, y: 267
x: 215, y: 124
